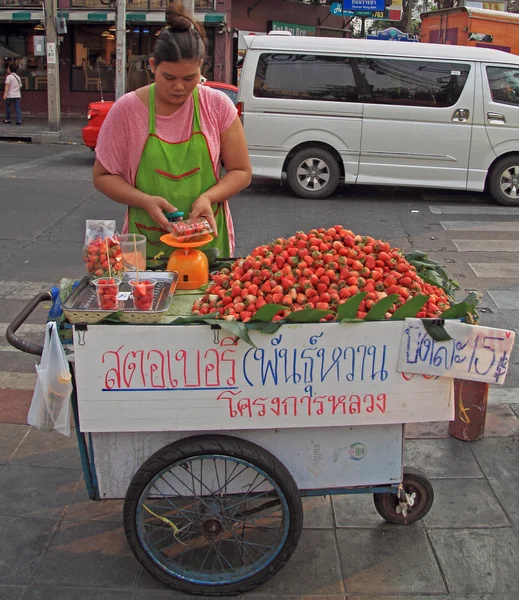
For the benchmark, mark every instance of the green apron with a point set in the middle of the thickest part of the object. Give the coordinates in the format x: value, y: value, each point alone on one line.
x: 180, y: 173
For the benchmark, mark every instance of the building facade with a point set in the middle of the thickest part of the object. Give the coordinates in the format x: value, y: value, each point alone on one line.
x: 87, y: 47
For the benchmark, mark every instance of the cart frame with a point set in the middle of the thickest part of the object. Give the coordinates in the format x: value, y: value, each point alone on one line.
x: 382, y: 493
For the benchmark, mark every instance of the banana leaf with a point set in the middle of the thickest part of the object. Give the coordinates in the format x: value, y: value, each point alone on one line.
x: 436, y: 330
x: 267, y: 312
x: 378, y: 311
x: 348, y: 311
x: 459, y: 310
x: 238, y: 329
x: 263, y: 326
x: 195, y: 319
x: 410, y: 309
x: 311, y: 315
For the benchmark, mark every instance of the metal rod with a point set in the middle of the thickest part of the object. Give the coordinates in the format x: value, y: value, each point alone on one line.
x: 53, y: 91
x: 120, y: 48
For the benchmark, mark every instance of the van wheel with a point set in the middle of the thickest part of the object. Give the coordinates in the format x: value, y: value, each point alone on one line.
x: 313, y: 173
x: 504, y: 181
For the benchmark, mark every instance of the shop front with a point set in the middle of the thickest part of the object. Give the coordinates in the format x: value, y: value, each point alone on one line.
x: 87, y: 56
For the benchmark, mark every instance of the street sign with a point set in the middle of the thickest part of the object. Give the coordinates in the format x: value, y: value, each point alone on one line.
x: 336, y: 9
x: 367, y: 6
x: 391, y: 33
x: 293, y: 28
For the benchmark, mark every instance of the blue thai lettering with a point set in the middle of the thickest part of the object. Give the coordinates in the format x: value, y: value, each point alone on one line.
x: 308, y: 365
x: 382, y: 373
x: 315, y: 338
x: 350, y: 376
x: 335, y: 364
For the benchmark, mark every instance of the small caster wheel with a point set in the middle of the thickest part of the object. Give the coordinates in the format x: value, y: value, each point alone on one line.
x: 419, y: 496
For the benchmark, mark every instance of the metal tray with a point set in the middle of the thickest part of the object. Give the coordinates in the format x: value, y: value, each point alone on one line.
x: 82, y: 306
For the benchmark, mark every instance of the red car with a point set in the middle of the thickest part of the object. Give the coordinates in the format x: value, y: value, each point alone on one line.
x: 97, y: 112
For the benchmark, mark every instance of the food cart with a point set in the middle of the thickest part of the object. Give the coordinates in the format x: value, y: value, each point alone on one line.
x: 212, y: 430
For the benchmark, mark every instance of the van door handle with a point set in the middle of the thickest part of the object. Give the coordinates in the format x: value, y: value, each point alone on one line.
x: 461, y: 115
x: 496, y: 118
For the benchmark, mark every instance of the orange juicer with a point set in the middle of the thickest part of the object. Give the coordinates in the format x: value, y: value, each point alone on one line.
x: 191, y: 264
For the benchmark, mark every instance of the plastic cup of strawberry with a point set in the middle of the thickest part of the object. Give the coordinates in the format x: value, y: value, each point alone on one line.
x: 107, y: 290
x: 103, y: 251
x: 190, y: 229
x: 142, y: 293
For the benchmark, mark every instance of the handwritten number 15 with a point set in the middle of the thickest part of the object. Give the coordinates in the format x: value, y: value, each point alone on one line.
x: 487, y: 345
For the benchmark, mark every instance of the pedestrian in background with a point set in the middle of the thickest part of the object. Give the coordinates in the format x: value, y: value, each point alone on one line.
x: 13, y: 95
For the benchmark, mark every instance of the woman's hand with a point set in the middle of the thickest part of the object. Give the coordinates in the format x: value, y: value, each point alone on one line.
x: 156, y: 206
x: 202, y: 207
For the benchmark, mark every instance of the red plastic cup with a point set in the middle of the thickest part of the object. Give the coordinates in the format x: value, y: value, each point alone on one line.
x: 142, y: 292
x: 107, y: 290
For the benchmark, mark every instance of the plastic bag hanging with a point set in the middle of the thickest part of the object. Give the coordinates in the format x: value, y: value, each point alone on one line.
x: 50, y: 406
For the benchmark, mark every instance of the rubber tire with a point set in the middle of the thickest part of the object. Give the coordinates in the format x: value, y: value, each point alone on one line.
x: 386, y: 503
x: 331, y: 163
x: 495, y: 176
x: 228, y: 446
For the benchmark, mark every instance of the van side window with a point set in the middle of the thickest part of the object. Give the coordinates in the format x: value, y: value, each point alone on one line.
x: 504, y: 84
x: 414, y: 82
x: 307, y: 77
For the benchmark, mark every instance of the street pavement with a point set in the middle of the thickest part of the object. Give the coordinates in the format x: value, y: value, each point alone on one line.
x: 35, y: 130
x: 56, y: 544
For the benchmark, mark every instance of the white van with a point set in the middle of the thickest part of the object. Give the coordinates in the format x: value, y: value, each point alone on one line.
x: 379, y: 112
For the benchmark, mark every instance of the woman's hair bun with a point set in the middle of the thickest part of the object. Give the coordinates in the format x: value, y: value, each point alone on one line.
x: 176, y: 17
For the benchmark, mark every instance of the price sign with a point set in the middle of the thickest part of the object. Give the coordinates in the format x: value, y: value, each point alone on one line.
x: 473, y: 352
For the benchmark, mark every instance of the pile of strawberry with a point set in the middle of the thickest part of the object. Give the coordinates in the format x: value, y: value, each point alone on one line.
x: 319, y: 269
x: 101, y: 250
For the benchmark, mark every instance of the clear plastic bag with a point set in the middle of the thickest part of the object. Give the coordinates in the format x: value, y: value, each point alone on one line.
x: 50, y: 406
x: 102, y: 248
x: 191, y: 229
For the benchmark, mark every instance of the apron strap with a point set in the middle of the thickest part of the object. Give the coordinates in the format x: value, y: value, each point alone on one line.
x: 151, y: 110
x: 196, y: 111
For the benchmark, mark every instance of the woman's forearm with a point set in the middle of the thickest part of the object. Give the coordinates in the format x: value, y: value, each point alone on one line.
x: 229, y: 185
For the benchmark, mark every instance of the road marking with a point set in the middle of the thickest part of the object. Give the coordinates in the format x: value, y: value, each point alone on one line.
x: 17, y: 381
x: 480, y: 225
x: 507, y: 300
x: 493, y: 270
x: 37, y: 162
x: 486, y: 245
x: 467, y: 209
x: 23, y: 290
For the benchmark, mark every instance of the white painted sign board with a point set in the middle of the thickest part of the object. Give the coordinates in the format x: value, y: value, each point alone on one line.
x: 475, y: 353
x: 192, y: 378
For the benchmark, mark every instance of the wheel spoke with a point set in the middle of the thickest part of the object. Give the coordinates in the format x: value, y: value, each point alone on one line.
x: 220, y: 530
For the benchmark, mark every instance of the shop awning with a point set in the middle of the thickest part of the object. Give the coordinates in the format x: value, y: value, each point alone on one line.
x: 82, y: 16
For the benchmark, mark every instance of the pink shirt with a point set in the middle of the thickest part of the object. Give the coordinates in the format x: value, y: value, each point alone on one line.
x: 125, y: 129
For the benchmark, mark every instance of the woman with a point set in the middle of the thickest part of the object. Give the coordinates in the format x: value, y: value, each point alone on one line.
x: 160, y: 147
x: 12, y: 95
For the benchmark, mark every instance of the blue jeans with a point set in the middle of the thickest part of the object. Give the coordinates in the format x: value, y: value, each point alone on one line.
x: 17, y: 107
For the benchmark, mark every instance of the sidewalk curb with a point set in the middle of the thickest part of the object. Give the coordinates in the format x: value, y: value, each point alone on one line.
x: 41, y: 137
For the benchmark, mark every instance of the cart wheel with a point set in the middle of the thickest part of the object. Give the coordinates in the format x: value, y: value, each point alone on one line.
x: 213, y: 515
x: 390, y: 508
